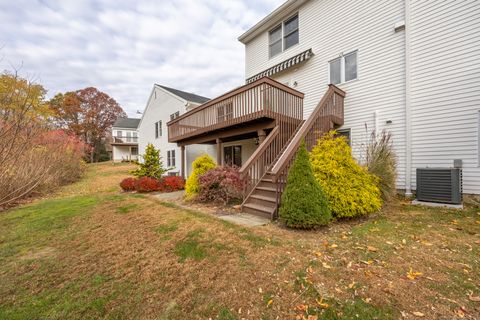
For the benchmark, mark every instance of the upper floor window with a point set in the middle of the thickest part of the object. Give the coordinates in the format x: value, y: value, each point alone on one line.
x: 343, y: 69
x: 158, y: 129
x: 283, y: 36
x: 119, y: 134
x: 174, y: 115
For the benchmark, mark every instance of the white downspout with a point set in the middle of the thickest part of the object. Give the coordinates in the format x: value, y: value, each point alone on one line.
x: 408, y: 126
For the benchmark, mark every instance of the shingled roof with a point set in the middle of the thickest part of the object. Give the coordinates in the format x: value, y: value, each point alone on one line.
x: 131, y: 123
x: 186, y: 95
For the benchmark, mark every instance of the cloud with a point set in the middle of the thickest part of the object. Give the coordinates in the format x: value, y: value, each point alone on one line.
x: 124, y: 47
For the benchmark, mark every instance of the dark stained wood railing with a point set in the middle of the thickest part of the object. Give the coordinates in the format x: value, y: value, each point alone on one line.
x: 327, y: 115
x: 264, y: 98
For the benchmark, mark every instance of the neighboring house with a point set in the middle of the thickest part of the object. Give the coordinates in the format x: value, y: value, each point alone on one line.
x: 165, y: 104
x: 125, y: 139
x: 405, y: 66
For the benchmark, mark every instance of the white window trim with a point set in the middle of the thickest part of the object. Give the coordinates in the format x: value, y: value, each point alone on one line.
x: 342, y: 67
x: 282, y: 38
x: 478, y: 138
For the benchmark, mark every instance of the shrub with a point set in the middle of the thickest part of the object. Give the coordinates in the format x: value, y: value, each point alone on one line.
x: 128, y: 184
x: 221, y: 184
x: 200, y: 166
x: 351, y: 191
x: 382, y: 162
x: 152, y: 165
x: 304, y: 204
x: 147, y: 184
x: 172, y: 183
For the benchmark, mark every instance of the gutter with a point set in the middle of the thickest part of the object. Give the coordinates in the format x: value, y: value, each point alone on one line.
x: 408, y: 116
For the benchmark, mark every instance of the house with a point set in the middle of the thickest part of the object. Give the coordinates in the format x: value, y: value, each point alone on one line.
x: 404, y: 66
x: 125, y: 139
x: 165, y: 104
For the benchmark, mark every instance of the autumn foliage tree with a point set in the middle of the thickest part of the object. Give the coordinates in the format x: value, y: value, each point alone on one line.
x: 89, y: 114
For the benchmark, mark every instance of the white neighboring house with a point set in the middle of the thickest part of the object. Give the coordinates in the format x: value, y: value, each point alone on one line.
x: 410, y: 67
x: 163, y: 105
x: 125, y: 139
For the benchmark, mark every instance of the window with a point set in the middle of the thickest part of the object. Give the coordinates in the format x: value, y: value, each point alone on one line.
x: 119, y: 134
x: 129, y: 136
x: 134, y: 151
x: 344, y: 68
x: 174, y: 115
x: 135, y: 136
x: 225, y: 112
x: 275, y: 41
x: 232, y: 155
x: 283, y: 36
x: 345, y: 133
x: 290, y: 32
x: 158, y: 129
x: 171, y: 158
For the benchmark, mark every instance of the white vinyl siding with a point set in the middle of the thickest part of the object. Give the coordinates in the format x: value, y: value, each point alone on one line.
x: 445, y: 87
x: 333, y: 27
x: 158, y: 129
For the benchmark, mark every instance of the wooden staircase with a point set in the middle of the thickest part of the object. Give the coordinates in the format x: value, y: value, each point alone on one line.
x: 267, y: 169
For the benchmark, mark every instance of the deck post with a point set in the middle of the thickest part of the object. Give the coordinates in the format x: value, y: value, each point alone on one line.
x: 219, y: 151
x: 261, y: 136
x: 182, y: 159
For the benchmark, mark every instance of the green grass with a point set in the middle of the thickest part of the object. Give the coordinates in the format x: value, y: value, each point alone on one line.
x: 35, y: 225
x: 127, y: 208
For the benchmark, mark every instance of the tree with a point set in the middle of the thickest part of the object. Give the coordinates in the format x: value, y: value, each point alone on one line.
x: 304, y: 204
x: 152, y: 165
x: 87, y: 113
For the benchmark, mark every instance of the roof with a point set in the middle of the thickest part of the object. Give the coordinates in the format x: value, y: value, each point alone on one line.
x: 284, y: 65
x: 268, y: 22
x: 186, y: 95
x: 127, y: 123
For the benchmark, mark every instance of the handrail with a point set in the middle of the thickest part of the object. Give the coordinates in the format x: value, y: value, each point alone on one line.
x: 307, y: 125
x: 237, y: 91
x: 261, y: 149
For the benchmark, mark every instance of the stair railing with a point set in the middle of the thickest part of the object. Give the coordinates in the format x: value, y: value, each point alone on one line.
x: 327, y: 115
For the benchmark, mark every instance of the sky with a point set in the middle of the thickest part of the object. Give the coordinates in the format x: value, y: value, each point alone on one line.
x: 123, y: 47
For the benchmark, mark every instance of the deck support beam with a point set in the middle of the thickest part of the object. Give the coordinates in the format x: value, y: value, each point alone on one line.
x: 219, y: 151
x: 182, y: 159
x: 261, y: 136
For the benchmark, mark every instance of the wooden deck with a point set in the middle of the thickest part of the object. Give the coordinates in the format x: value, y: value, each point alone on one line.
x: 256, y: 102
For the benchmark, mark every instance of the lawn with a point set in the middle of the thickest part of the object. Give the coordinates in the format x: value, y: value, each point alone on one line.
x: 91, y: 251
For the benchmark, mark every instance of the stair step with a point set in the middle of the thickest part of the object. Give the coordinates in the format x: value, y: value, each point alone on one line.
x: 264, y: 198
x: 258, y: 209
x: 266, y: 189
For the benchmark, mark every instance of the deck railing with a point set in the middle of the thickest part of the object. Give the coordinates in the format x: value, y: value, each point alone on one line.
x: 264, y: 98
x: 125, y: 139
x: 327, y: 115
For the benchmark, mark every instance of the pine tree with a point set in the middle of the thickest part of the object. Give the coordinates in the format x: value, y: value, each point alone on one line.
x: 304, y: 205
x: 152, y: 165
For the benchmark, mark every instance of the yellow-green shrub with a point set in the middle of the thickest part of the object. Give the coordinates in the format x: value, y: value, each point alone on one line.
x: 199, y: 166
x: 351, y: 191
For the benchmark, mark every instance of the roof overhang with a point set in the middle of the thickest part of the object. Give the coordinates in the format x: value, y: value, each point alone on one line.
x: 284, y: 65
x: 269, y: 21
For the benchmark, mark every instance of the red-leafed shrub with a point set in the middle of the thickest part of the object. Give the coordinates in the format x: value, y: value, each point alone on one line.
x: 128, y: 184
x: 221, y: 184
x: 172, y: 183
x: 147, y: 184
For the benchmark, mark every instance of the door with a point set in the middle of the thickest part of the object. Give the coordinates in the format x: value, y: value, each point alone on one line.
x: 232, y: 155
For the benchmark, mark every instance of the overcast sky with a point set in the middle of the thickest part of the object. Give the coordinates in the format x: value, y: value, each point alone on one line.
x: 124, y: 47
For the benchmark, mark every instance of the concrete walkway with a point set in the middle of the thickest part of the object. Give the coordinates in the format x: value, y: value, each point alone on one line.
x: 176, y: 195
x: 245, y: 219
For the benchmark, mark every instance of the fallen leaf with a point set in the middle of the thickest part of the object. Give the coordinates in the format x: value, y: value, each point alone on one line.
x: 301, y: 307
x: 269, y: 302
x: 455, y: 222
x: 322, y: 304
x: 309, y: 269
x: 477, y: 222
x: 389, y: 242
x: 333, y: 246
x: 460, y: 313
x: 412, y: 274
x: 404, y: 241
x: 426, y: 243
x: 318, y: 253
x: 351, y: 285
x: 326, y: 266
x: 418, y: 314
x: 372, y: 249
x: 260, y: 290
x: 367, y: 300
x: 311, y: 317
x: 474, y: 298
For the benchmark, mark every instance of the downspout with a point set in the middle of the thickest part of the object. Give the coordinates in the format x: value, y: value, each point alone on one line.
x: 408, y: 126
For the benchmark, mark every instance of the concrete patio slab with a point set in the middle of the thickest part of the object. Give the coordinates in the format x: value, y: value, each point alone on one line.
x: 245, y: 219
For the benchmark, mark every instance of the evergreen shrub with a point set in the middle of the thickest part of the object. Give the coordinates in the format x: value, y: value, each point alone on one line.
x: 199, y: 167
